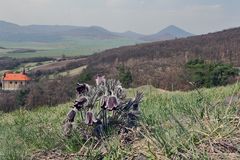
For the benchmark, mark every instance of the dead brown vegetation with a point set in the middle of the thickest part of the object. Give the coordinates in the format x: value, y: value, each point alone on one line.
x: 161, y: 63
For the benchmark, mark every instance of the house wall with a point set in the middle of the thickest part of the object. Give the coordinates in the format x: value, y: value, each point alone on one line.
x: 13, y: 85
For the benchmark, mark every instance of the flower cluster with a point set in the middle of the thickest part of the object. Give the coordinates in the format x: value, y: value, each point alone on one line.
x: 102, y: 106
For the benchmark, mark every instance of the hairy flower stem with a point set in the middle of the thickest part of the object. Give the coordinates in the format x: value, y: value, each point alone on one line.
x: 81, y: 114
x: 105, y: 120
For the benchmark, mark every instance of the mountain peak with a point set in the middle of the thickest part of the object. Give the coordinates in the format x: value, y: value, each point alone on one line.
x: 168, y: 33
x: 7, y: 23
x: 172, y: 27
x: 174, y: 30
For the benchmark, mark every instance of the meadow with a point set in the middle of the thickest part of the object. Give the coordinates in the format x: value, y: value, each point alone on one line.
x: 199, y: 124
x: 67, y: 47
x: 69, y: 73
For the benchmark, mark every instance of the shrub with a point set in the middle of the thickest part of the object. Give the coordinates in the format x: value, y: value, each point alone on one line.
x: 125, y: 76
x: 8, y: 101
x: 204, y: 74
x: 21, y: 96
x: 44, y: 92
x: 50, y: 92
x: 85, y: 76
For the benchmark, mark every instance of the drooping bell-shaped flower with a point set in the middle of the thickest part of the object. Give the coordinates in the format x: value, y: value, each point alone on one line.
x: 112, y: 103
x: 103, y: 102
x: 90, y: 119
x: 100, y: 80
x: 82, y: 88
x: 71, y: 115
x: 80, y: 102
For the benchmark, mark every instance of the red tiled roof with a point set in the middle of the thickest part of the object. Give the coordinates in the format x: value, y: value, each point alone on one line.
x: 16, y: 77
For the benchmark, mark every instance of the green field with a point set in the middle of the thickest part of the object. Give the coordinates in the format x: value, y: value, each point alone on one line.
x: 68, y: 47
x: 27, y: 66
x: 69, y: 73
x: 174, y: 125
x: 33, y: 65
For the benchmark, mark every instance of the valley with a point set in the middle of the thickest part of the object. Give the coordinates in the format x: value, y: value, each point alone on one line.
x: 57, y: 40
x: 67, y: 47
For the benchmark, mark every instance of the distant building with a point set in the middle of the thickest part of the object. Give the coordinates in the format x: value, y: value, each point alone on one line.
x: 14, y: 81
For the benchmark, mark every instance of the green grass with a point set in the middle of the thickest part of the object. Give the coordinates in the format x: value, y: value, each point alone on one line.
x: 33, y: 65
x: 30, y: 66
x: 23, y: 132
x: 173, y: 124
x: 68, y: 47
x: 184, y: 121
x: 73, y: 72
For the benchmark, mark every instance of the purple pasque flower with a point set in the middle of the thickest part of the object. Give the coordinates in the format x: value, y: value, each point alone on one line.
x: 112, y: 102
x: 80, y: 103
x: 90, y: 118
x: 100, y: 80
x: 71, y: 115
x: 82, y: 88
x: 103, y: 102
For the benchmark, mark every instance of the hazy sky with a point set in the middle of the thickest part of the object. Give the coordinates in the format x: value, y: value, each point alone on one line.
x: 144, y: 16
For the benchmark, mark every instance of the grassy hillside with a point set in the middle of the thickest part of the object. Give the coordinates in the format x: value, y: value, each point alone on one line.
x: 72, y: 72
x: 185, y: 125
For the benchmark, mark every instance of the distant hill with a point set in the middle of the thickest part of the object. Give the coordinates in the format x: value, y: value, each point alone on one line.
x: 168, y: 33
x: 45, y: 33
x: 130, y: 34
x: 8, y: 27
x: 94, y: 32
x: 161, y: 63
x: 51, y: 33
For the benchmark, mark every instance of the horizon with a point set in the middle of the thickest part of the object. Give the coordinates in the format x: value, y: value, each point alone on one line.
x: 171, y: 25
x: 144, y: 34
x: 140, y: 16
